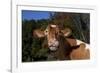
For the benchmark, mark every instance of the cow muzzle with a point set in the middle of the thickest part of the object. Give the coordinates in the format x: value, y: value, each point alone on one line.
x: 53, y: 45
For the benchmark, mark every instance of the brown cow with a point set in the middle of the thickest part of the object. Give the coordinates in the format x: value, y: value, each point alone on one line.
x: 61, y: 45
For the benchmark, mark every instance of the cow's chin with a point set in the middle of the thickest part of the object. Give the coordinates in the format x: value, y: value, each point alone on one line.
x: 53, y: 48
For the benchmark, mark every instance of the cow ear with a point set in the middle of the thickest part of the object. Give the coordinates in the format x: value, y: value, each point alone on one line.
x: 67, y: 32
x: 38, y: 33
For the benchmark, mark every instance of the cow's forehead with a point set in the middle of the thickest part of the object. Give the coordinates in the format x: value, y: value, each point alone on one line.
x: 52, y: 28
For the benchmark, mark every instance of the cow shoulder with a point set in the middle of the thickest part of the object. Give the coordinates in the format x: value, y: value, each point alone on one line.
x: 80, y: 53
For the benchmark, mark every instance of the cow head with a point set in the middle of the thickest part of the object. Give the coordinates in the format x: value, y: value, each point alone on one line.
x: 52, y: 33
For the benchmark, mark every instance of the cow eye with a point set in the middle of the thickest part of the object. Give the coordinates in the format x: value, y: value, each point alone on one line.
x: 46, y: 31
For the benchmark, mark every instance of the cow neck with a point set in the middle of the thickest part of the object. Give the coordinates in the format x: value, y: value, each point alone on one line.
x: 63, y: 50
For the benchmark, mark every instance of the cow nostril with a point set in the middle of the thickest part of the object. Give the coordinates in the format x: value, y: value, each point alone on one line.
x: 53, y: 43
x: 50, y: 43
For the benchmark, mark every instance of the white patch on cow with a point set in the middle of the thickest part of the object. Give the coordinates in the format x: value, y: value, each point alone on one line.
x: 53, y: 26
x: 80, y: 42
x: 53, y: 48
x: 56, y: 43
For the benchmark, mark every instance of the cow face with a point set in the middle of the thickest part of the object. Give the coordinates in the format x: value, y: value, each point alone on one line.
x: 52, y: 33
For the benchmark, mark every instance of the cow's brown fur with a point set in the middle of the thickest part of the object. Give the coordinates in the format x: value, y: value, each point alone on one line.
x: 68, y: 48
x: 80, y: 53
